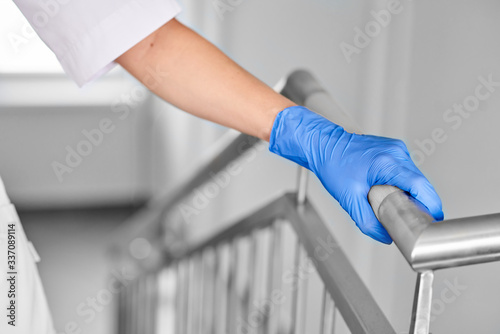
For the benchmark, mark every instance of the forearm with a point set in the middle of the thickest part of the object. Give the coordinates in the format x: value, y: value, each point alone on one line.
x: 195, y: 76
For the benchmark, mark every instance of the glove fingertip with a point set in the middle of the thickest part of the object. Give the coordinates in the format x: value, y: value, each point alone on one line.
x: 438, y: 216
x: 381, y: 235
x: 433, y: 206
x: 369, y: 224
x: 428, y: 196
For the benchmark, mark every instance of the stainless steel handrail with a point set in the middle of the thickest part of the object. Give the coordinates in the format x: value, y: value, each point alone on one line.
x: 431, y: 246
x: 343, y: 287
x: 148, y: 222
x: 424, y: 244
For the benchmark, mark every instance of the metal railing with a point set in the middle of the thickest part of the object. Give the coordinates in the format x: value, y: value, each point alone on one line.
x: 211, y: 286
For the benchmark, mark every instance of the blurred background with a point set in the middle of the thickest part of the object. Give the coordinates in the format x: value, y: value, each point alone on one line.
x: 403, y: 83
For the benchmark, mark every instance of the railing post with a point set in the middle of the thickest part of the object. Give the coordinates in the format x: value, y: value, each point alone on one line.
x: 421, y: 313
x: 302, y: 182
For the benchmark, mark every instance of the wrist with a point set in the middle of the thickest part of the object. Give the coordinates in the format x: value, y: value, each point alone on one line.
x: 272, y: 113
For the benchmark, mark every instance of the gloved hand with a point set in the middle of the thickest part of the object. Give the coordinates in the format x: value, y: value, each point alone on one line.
x: 348, y: 165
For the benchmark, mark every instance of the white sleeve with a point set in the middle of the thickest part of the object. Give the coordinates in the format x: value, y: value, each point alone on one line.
x: 88, y: 35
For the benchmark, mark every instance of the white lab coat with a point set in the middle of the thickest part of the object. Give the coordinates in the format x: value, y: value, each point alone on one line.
x: 24, y: 309
x: 88, y: 35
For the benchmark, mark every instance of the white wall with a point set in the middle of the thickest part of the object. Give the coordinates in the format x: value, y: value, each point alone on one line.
x: 42, y: 112
x: 41, y: 116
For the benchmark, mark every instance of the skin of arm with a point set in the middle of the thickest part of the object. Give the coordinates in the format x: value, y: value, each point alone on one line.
x: 189, y: 72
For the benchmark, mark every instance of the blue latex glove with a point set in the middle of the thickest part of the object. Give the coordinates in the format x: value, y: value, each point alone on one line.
x: 348, y: 165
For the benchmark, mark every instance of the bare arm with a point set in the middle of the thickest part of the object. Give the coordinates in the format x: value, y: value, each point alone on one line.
x: 186, y: 70
x: 194, y: 75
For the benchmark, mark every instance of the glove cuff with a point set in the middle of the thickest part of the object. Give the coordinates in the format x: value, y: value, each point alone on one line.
x: 284, y: 139
x: 292, y: 132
